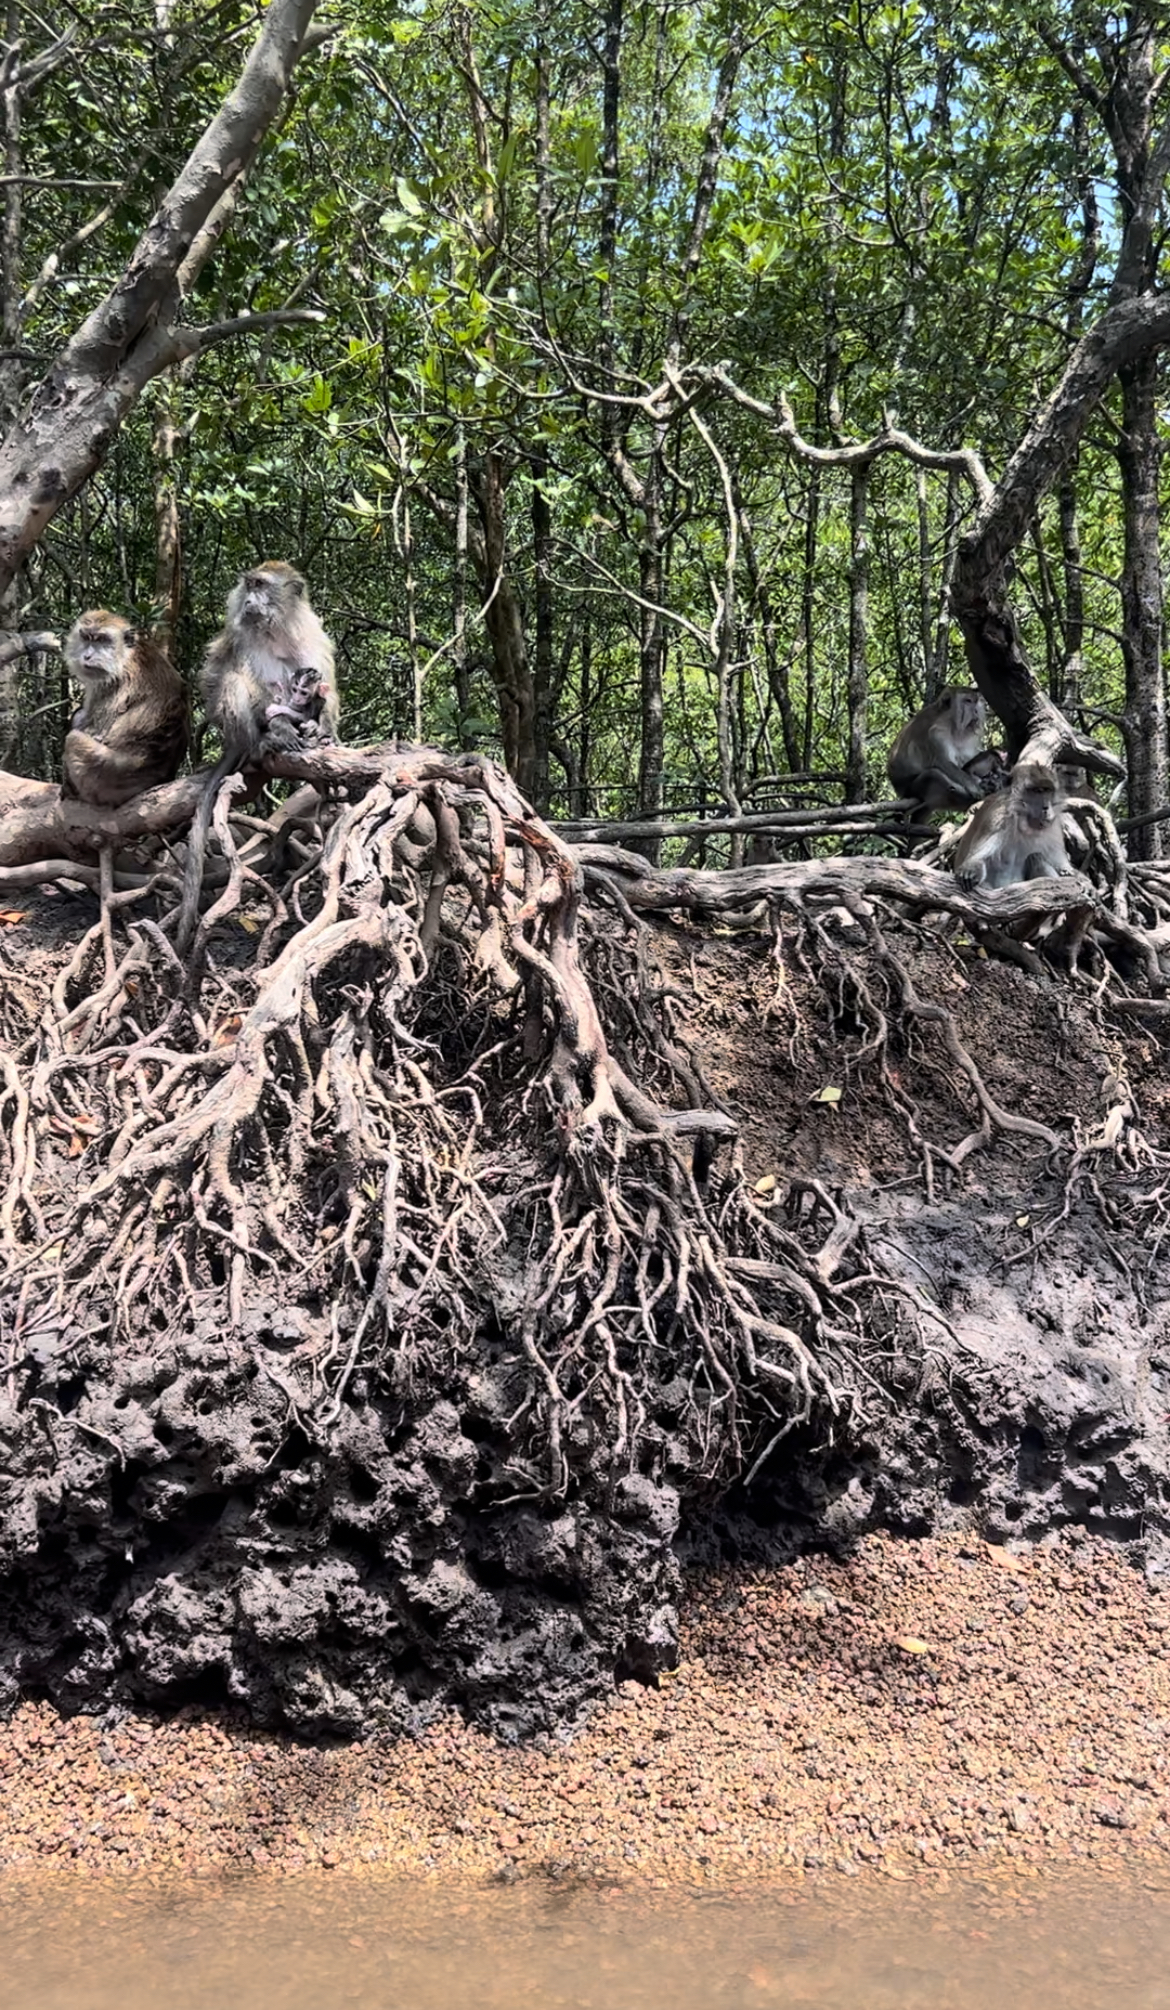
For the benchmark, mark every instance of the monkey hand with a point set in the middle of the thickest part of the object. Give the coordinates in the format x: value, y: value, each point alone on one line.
x: 281, y: 735
x: 969, y: 881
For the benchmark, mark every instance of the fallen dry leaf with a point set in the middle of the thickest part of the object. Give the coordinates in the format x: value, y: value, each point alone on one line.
x: 11, y: 915
x: 910, y: 1644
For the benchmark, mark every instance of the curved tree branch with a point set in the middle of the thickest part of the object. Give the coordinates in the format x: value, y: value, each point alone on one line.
x: 73, y: 415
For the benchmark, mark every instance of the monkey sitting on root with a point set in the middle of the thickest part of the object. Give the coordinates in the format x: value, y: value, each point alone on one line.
x: 131, y: 729
x: 268, y: 682
x: 268, y: 679
x: 939, y: 755
x: 1016, y: 836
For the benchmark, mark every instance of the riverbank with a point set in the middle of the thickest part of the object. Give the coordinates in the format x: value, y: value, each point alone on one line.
x: 930, y: 1703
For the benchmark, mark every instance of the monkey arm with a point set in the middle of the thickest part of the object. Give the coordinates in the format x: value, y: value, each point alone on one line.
x: 237, y: 704
x: 89, y: 755
x: 976, y: 848
x: 967, y: 788
x: 127, y: 751
x: 1044, y: 865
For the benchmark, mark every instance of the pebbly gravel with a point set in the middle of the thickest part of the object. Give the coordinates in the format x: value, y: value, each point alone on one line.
x: 927, y: 1703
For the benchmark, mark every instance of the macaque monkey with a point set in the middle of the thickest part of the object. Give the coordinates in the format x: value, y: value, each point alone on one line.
x: 991, y: 767
x: 268, y: 683
x: 130, y: 731
x: 929, y: 759
x: 262, y: 673
x: 1015, y: 836
x: 308, y: 694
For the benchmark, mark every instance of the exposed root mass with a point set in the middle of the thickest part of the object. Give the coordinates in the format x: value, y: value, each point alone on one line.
x: 379, y: 1085
x: 380, y: 1272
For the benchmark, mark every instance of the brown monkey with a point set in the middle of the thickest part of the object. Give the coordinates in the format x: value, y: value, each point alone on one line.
x: 262, y: 672
x: 930, y: 755
x: 1015, y: 836
x: 130, y: 731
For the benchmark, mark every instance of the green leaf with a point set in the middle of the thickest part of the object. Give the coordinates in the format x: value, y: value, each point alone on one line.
x: 320, y: 398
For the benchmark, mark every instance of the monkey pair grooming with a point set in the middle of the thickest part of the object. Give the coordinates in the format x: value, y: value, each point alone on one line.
x: 939, y: 757
x: 131, y: 729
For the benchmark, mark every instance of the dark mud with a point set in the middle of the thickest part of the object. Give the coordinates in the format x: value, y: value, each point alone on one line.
x: 173, y: 1540
x: 1044, y: 1407
x: 174, y: 1530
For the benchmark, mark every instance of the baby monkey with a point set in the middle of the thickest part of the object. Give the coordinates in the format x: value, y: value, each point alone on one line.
x: 130, y: 731
x: 1015, y: 836
x: 308, y: 695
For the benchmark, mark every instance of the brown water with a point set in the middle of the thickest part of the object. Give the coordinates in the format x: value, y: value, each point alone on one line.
x: 1071, y: 1943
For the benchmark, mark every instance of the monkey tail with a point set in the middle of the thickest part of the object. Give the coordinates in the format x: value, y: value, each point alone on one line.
x: 196, y: 847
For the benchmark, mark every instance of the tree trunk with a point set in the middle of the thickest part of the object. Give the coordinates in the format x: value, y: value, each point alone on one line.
x: 652, y: 757
x: 580, y: 808
x: 72, y: 418
x: 511, y: 673
x: 779, y: 682
x: 857, y: 690
x: 1122, y: 336
x: 808, y: 617
x: 936, y: 668
x: 1074, y: 595
x: 544, y: 674
x: 459, y: 662
x: 168, y: 545
x: 1139, y: 455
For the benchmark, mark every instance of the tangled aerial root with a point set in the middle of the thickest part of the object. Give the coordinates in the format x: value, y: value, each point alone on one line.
x: 378, y: 1090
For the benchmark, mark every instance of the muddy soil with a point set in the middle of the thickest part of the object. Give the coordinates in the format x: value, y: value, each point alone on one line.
x: 923, y: 1707
x: 172, y: 1531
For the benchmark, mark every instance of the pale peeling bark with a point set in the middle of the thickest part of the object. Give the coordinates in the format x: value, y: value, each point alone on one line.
x: 979, y: 598
x: 72, y: 417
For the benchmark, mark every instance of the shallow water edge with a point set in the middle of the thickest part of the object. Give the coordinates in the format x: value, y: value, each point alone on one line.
x: 1075, y: 1940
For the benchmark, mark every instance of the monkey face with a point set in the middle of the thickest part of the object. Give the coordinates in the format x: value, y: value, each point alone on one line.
x: 265, y: 595
x: 306, y: 691
x: 968, y: 712
x: 1036, y: 796
x: 1037, y: 810
x: 96, y: 650
x: 255, y: 597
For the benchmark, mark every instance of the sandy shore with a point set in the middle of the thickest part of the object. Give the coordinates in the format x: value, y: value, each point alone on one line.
x: 927, y: 1703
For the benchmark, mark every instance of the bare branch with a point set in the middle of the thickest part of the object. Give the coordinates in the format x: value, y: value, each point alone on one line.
x: 192, y: 341
x: 74, y: 414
